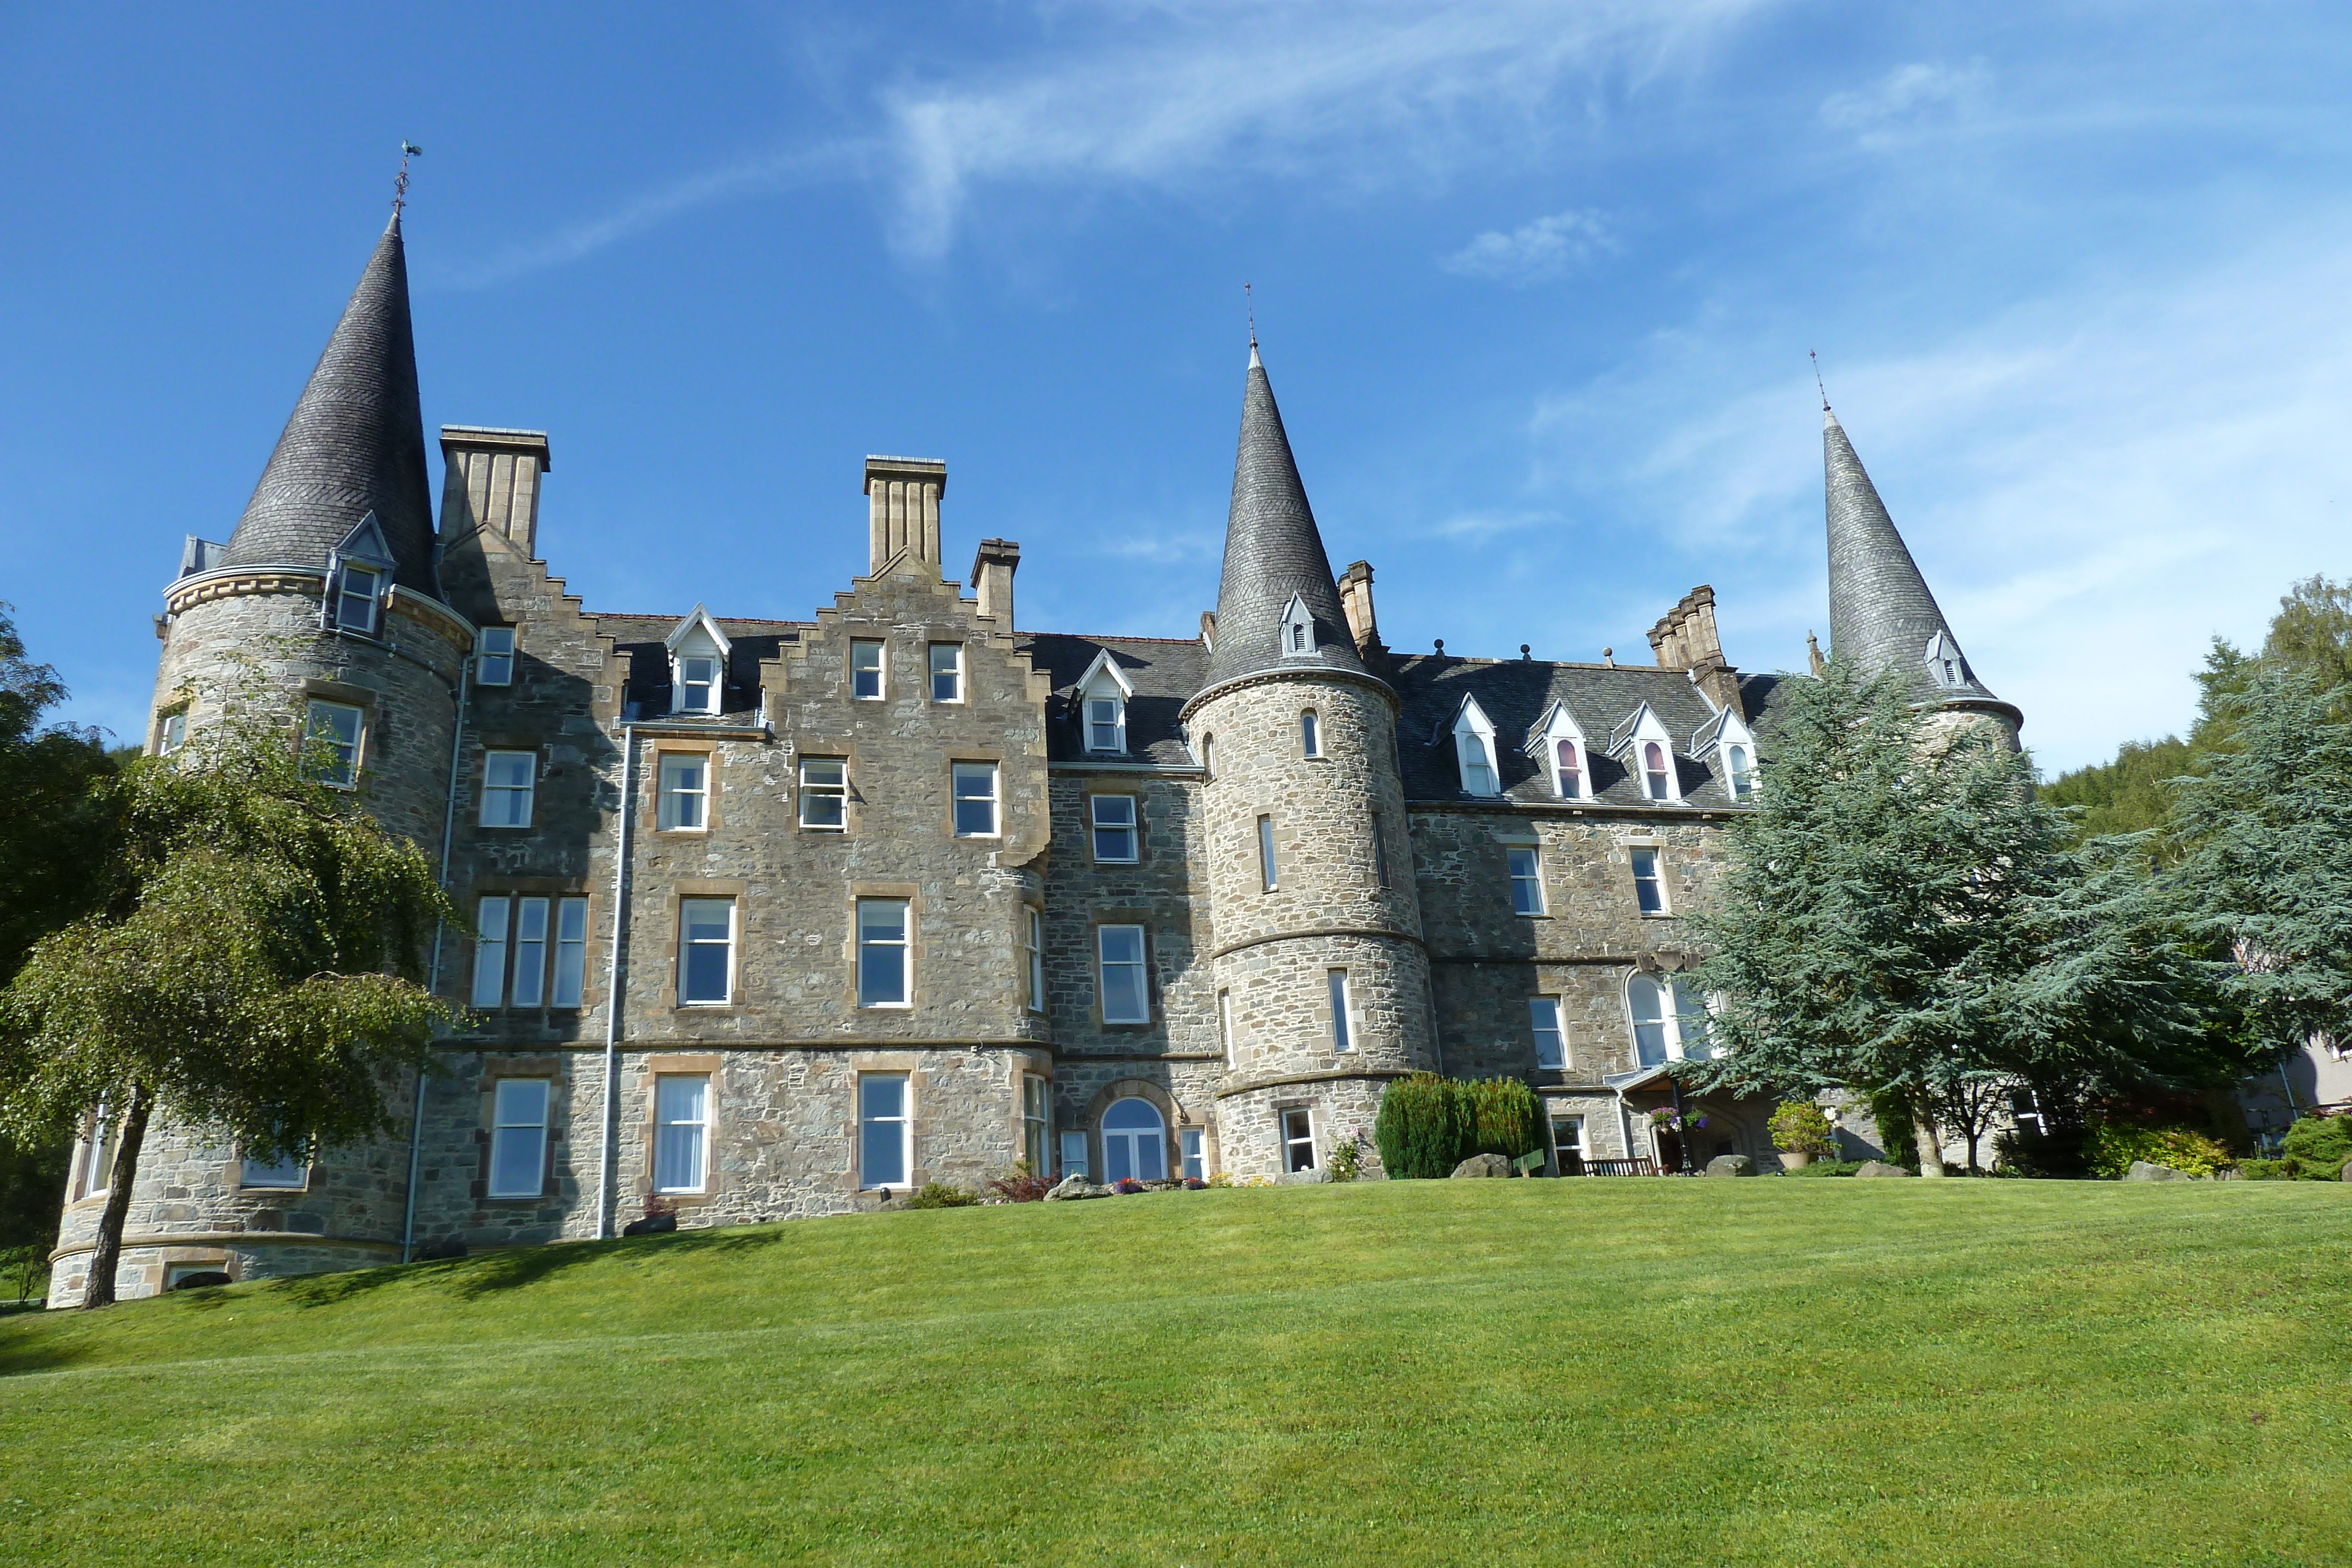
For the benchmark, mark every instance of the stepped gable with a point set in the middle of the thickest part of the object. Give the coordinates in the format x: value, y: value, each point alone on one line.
x: 1272, y: 552
x: 1165, y: 674
x: 1515, y: 694
x: 1882, y: 616
x: 640, y: 640
x: 355, y: 442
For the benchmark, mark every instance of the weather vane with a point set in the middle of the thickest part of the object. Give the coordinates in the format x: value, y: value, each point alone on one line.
x: 1817, y: 378
x: 400, y: 182
x: 1250, y: 305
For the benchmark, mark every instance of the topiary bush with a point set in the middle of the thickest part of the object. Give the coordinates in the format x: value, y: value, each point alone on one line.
x: 1418, y: 1127
x: 2110, y: 1148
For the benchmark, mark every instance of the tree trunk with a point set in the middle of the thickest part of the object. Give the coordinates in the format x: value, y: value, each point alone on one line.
x: 106, y: 1255
x: 1923, y: 1132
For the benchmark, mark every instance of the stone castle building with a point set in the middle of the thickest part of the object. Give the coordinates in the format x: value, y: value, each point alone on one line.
x: 777, y: 918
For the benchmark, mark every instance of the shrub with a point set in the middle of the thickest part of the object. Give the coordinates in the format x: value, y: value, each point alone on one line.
x: 2317, y: 1146
x: 1828, y: 1168
x: 1019, y: 1186
x: 1419, y: 1128
x: 2112, y: 1146
x: 939, y: 1195
x: 1347, y: 1157
x: 2267, y: 1170
x: 1501, y: 1117
x: 1802, y: 1127
x: 1129, y: 1184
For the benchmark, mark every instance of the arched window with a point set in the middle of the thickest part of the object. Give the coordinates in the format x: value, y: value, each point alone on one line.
x: 1743, y: 776
x: 1209, y: 755
x: 1135, y: 1142
x: 1477, y: 762
x: 1654, y: 774
x: 1650, y: 1025
x: 1310, y: 734
x: 1568, y: 770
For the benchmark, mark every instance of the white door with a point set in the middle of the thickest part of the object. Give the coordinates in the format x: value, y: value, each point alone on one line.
x: 1135, y: 1142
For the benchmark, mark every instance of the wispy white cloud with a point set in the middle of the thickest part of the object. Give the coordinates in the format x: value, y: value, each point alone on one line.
x: 1533, y: 253
x: 1905, y: 99
x: 2094, y: 482
x: 1478, y: 527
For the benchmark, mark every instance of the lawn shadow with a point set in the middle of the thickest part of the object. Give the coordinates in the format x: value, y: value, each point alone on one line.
x: 518, y: 1266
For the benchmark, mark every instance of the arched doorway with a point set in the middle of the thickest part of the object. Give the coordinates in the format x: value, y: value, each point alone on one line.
x: 1135, y: 1142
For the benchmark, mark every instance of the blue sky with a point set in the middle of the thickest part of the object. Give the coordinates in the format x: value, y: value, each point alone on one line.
x: 1535, y: 285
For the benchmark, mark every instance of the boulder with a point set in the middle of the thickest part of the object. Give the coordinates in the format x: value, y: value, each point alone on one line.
x: 2345, y: 1174
x: 2141, y: 1170
x: 1881, y: 1168
x: 1730, y: 1166
x: 1073, y: 1187
x: 1484, y: 1166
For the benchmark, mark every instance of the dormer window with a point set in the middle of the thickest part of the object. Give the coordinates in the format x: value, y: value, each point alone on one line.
x: 1297, y: 628
x: 1741, y: 769
x: 698, y: 664
x: 1474, y: 750
x: 1557, y: 744
x: 1644, y: 746
x: 1102, y: 699
x: 356, y: 591
x: 1657, y: 771
x: 1945, y: 664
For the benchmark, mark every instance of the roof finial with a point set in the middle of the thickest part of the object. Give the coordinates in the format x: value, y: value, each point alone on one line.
x: 400, y: 182
x: 1250, y: 305
x: 1817, y: 378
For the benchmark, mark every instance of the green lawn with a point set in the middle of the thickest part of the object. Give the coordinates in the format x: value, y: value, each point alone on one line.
x: 1898, y: 1374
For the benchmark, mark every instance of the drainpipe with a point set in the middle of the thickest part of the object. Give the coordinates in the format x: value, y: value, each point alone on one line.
x: 433, y: 973
x: 613, y: 981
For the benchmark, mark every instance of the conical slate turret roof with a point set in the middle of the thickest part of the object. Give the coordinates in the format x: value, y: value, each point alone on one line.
x: 1272, y: 553
x: 355, y: 443
x: 1882, y: 616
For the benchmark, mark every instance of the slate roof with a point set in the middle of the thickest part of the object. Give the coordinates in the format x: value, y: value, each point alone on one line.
x: 1515, y: 694
x: 1272, y: 552
x: 1165, y: 673
x: 355, y: 442
x: 640, y: 639
x: 1882, y: 616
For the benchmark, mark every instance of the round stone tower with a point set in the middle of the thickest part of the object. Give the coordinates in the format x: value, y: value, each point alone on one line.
x: 322, y: 613
x: 1322, y: 983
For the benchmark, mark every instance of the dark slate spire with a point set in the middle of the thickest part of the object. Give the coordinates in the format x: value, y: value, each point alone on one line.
x: 1273, y: 554
x: 355, y: 443
x: 1882, y: 616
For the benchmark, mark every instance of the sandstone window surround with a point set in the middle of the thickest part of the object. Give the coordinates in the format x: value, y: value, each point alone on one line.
x: 1117, y: 841
x: 947, y: 672
x: 868, y: 660
x: 1209, y: 758
x: 1669, y: 1021
x: 530, y: 950
x: 494, y: 656
x: 1551, y: 1039
x: 974, y: 810
x: 1225, y: 1027
x: 519, y: 1140
x: 1032, y: 943
x: 289, y: 1173
x: 509, y: 778
x: 886, y: 952
x: 681, y: 1140
x: 359, y: 598
x: 685, y: 784
x: 1310, y: 736
x: 171, y: 729
x: 1298, y: 1132
x: 1380, y: 851
x: 334, y: 742
x: 824, y: 794
x: 705, y: 952
x: 1526, y: 864
x: 1648, y: 860
x: 885, y: 1131
x: 1036, y: 1121
x: 1124, y: 987
x: 1266, y: 869
x: 1347, y: 1023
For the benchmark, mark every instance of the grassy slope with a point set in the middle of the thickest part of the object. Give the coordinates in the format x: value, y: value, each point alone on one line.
x: 1686, y: 1372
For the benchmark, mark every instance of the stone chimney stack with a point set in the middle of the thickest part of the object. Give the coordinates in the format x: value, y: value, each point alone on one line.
x: 491, y: 481
x: 1356, y: 603
x: 1686, y: 638
x: 905, y: 493
x: 992, y: 579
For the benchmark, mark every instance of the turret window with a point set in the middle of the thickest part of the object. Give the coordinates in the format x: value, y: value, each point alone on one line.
x: 330, y: 748
x: 494, y: 656
x: 1298, y: 1140
x: 172, y: 733
x: 285, y: 1173
x: 1034, y: 941
x: 1297, y: 628
x: 357, y: 589
x: 1266, y: 866
x: 1345, y: 1026
x: 1310, y: 735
